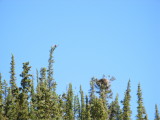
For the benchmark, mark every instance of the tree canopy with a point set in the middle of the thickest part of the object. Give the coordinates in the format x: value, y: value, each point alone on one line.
x: 38, y: 99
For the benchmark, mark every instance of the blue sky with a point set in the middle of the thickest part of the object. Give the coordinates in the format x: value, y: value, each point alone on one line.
x: 94, y: 37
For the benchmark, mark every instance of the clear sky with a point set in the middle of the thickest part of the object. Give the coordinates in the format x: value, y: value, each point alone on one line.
x: 95, y: 37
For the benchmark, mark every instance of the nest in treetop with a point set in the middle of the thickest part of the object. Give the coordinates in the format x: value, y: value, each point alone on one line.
x: 103, y: 81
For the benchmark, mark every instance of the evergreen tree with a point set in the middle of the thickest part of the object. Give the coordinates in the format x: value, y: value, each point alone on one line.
x: 11, y: 106
x: 51, y: 82
x: 24, y: 103
x: 105, y: 93
x: 140, y: 109
x: 92, y: 89
x: 42, y: 111
x: 115, y: 111
x: 13, y: 93
x: 26, y: 78
x: 92, y: 95
x: 157, y: 116
x: 82, y: 116
x: 126, y: 103
x: 99, y: 110
x: 37, y: 76
x: 48, y: 103
x: 59, y: 109
x: 14, y: 87
x: 23, y: 113
x: 104, y: 88
x: 32, y: 111
x: 87, y: 113
x: 43, y: 96
x: 76, y: 107
x: 5, y: 94
x: 5, y: 90
x: 42, y: 79
x: 1, y: 98
x: 69, y: 114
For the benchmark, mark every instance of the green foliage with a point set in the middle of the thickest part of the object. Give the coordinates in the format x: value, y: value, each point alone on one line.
x: 157, y: 116
x: 115, y: 110
x: 5, y: 90
x: 51, y: 83
x: 13, y: 92
x: 11, y: 106
x: 98, y: 110
x: 76, y: 108
x: 41, y: 102
x: 43, y: 97
x: 126, y: 103
x: 92, y: 89
x: 82, y: 115
x: 140, y: 109
x: 69, y: 114
x: 26, y: 78
x: 14, y: 87
x: 87, y: 113
x: 32, y: 108
x: 1, y: 98
x: 26, y: 81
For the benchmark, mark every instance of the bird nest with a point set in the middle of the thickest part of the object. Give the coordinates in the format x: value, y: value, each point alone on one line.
x: 103, y: 81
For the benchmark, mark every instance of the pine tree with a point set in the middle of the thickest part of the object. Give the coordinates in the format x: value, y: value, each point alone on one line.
x: 5, y: 90
x: 69, y: 114
x: 51, y: 82
x: 42, y: 79
x: 105, y: 93
x: 26, y: 78
x: 82, y: 116
x: 14, y: 87
x: 53, y: 103
x: 43, y: 97
x: 76, y: 108
x: 24, y: 103
x: 52, y: 85
x: 48, y: 103
x: 115, y: 111
x: 37, y: 76
x: 92, y: 89
x: 87, y: 112
x: 59, y: 109
x: 13, y: 93
x: 5, y: 94
x: 126, y: 104
x: 99, y: 110
x: 157, y: 116
x: 32, y: 111
x: 40, y: 103
x: 23, y: 113
x: 92, y: 96
x: 11, y: 106
x: 140, y: 109
x: 104, y: 88
x: 1, y: 98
